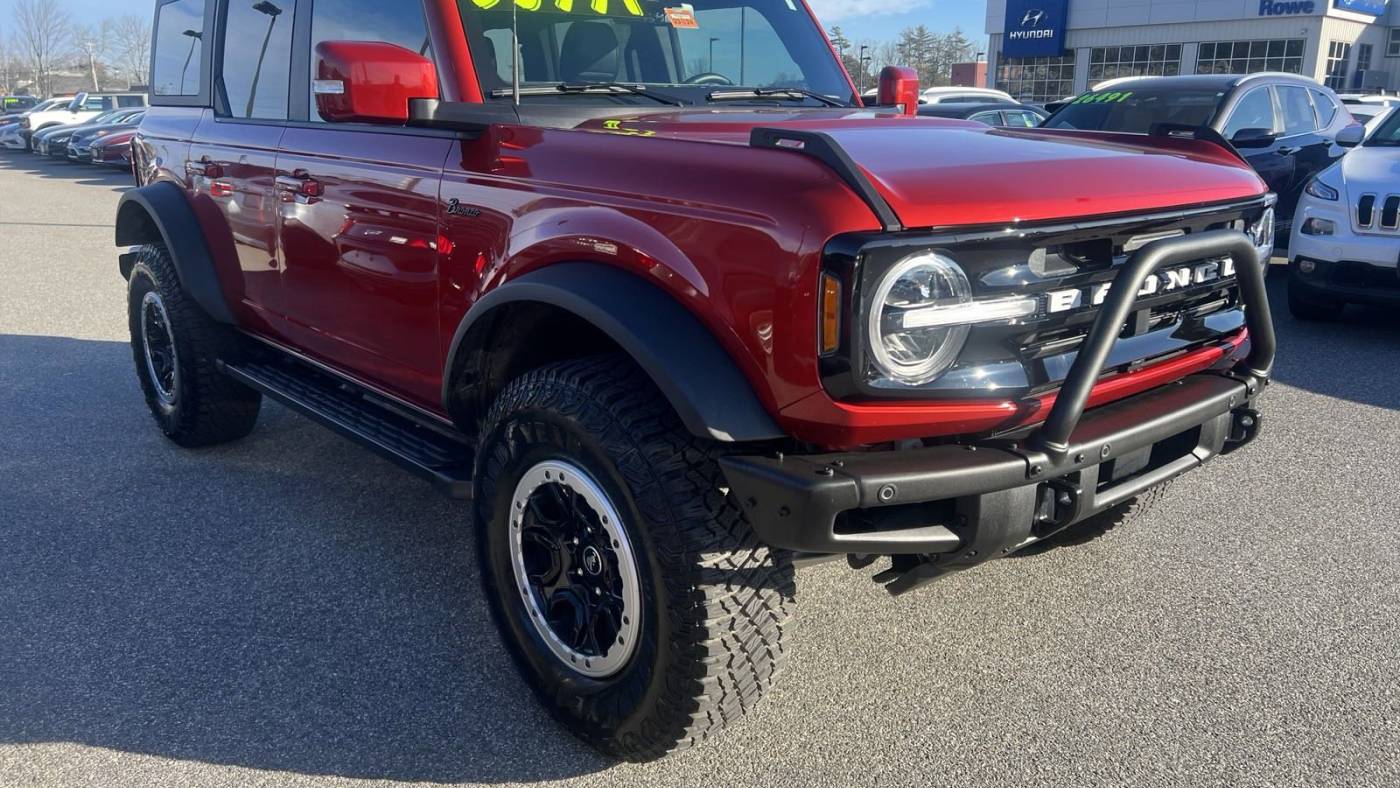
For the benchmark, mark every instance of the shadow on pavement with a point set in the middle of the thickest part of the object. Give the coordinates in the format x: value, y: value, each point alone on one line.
x: 289, y: 602
x: 48, y: 167
x: 1323, y: 357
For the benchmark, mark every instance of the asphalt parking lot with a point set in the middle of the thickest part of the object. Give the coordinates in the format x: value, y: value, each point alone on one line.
x: 290, y: 610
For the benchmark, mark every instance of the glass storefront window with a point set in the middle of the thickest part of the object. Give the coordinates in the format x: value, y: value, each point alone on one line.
x: 1157, y: 60
x: 1036, y: 79
x: 1247, y: 57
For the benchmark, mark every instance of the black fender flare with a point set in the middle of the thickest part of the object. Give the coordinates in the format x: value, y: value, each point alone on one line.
x: 693, y: 371
x: 160, y: 212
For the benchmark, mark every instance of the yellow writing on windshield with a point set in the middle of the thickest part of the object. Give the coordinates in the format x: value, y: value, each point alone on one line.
x: 628, y: 7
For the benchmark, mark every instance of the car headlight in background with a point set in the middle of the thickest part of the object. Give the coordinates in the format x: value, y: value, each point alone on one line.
x: 1262, y: 233
x: 921, y: 313
x: 1321, y: 190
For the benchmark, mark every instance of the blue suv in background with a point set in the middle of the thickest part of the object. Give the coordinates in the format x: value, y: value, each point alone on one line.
x: 1288, y: 127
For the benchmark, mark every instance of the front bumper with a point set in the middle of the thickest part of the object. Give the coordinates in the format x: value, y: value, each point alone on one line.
x: 1348, y: 281
x: 940, y: 509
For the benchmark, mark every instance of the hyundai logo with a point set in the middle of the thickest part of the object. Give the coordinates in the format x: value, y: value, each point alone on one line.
x: 1033, y: 18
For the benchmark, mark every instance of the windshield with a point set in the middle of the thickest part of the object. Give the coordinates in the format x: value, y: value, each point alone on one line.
x: 682, y: 51
x: 1136, y: 111
x: 1387, y: 134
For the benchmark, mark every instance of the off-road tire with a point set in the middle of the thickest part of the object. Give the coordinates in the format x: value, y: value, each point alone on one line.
x: 1100, y: 524
x: 208, y: 407
x: 1312, y: 308
x: 715, y: 602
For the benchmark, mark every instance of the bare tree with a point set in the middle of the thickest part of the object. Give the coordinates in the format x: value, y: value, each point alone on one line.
x: 131, y: 44
x: 43, y: 30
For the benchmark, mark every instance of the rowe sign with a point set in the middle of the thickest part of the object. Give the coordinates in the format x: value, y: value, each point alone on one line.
x: 1286, y: 7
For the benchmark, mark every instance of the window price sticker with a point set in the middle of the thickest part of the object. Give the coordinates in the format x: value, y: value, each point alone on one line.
x: 682, y: 18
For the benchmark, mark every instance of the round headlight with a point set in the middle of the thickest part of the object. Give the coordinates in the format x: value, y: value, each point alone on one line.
x: 916, y: 354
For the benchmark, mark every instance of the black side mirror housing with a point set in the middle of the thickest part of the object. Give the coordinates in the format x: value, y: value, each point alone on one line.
x: 1253, y: 138
x: 1351, y: 136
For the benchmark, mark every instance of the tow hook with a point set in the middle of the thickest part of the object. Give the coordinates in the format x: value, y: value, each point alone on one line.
x: 1244, y: 425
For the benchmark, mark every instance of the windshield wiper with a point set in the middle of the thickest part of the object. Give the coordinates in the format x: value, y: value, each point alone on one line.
x: 586, y: 88
x: 792, y: 93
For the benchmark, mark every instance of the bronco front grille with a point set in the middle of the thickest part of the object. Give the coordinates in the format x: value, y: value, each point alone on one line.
x: 1066, y: 263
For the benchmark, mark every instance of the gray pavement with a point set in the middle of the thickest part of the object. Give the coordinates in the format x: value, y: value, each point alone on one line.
x: 292, y: 611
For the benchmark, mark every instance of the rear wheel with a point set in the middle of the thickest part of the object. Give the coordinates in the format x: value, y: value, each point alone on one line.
x: 176, y: 348
x: 1306, y: 306
x: 633, y: 596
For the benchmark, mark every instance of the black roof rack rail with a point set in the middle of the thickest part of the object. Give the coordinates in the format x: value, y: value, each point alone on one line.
x: 829, y: 152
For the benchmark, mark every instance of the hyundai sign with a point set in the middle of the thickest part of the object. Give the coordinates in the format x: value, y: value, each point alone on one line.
x: 1035, y: 28
x: 1371, y: 7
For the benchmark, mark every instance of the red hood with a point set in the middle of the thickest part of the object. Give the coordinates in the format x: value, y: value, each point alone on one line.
x: 936, y: 172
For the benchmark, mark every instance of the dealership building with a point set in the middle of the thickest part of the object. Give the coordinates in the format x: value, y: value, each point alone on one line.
x: 1042, y: 50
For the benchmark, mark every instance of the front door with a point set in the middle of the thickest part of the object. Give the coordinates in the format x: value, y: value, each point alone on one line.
x: 359, y: 230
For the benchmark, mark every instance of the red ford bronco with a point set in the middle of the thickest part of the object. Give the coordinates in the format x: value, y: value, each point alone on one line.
x: 650, y: 287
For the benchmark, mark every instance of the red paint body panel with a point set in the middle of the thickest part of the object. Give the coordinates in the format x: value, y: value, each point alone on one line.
x: 832, y: 423
x: 937, y: 172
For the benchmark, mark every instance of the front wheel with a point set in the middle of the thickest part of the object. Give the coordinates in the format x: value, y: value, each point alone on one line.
x: 632, y: 594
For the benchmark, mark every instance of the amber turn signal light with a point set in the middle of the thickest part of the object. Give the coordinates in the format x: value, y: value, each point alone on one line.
x: 831, y: 313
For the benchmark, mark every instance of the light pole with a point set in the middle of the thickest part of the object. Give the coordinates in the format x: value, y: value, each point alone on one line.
x: 195, y: 38
x: 712, y: 54
x: 862, y: 60
x: 272, y: 12
x: 91, y: 48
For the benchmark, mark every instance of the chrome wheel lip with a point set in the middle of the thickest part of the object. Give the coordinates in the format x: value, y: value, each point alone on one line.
x: 574, y: 478
x: 152, y: 306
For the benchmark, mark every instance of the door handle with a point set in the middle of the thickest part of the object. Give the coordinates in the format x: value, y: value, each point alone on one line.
x: 298, y: 182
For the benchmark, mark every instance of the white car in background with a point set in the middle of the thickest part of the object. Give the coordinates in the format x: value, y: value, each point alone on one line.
x: 960, y: 95
x: 1345, y: 243
x: 10, y: 128
x: 82, y: 107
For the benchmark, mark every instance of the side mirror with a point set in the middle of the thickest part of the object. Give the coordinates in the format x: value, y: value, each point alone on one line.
x: 369, y: 81
x: 77, y: 102
x: 1253, y: 138
x: 1351, y: 136
x: 899, y: 87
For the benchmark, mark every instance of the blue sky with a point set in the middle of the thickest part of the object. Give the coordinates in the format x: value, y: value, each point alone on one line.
x: 859, y: 19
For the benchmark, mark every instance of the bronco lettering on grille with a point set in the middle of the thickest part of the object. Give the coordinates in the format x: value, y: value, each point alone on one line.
x: 1163, y: 281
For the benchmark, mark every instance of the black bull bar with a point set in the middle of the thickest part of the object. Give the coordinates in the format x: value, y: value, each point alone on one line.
x: 940, y: 509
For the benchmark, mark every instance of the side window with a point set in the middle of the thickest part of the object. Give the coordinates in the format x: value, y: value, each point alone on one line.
x: 130, y: 101
x: 1254, y: 111
x: 1298, y: 117
x: 179, y: 45
x: 256, y: 85
x: 103, y: 103
x: 989, y: 118
x: 1021, y: 119
x: 366, y: 20
x: 1326, y: 108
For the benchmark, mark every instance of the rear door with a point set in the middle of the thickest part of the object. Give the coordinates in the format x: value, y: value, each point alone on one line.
x: 358, y: 205
x: 233, y: 156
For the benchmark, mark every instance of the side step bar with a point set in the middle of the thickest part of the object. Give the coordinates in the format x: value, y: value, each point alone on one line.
x: 432, y: 452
